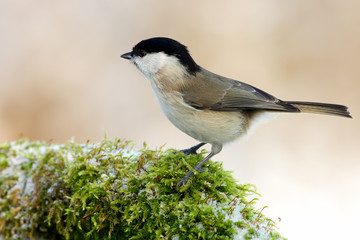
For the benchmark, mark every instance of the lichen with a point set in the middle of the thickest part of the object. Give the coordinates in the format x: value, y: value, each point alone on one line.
x: 108, y: 190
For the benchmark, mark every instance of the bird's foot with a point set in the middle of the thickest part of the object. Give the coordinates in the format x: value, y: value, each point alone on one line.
x: 214, y: 151
x: 185, y: 179
x: 193, y: 149
x: 189, y: 151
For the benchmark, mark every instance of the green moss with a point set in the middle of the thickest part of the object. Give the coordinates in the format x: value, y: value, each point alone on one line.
x: 106, y: 191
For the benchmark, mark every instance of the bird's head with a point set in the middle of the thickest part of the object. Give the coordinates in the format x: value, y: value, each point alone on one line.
x: 161, y: 54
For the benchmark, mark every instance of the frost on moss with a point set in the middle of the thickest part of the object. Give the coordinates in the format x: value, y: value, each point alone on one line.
x: 108, y: 190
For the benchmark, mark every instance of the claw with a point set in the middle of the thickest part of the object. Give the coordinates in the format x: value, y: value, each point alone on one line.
x: 184, y: 180
x: 193, y: 149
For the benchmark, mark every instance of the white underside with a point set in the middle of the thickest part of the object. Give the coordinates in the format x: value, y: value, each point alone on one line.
x: 204, y: 125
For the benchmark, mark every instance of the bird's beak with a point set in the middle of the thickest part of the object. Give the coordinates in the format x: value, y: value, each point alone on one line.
x: 127, y: 55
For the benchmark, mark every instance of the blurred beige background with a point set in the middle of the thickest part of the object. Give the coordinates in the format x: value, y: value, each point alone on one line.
x: 61, y: 76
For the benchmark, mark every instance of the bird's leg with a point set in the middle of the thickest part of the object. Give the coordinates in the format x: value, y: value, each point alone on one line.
x: 193, y: 149
x: 215, y: 149
x: 184, y: 180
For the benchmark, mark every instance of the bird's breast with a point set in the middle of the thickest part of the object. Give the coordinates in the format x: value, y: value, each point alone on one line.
x: 204, y: 125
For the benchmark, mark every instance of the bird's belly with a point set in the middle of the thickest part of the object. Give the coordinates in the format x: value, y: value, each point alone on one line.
x: 205, y: 125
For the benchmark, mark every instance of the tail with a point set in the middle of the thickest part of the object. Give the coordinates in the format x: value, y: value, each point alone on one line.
x: 321, y: 108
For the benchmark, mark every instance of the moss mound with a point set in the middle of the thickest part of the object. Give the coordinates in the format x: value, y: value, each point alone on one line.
x: 108, y: 190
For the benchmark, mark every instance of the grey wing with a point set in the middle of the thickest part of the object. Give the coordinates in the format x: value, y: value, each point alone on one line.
x: 214, y: 92
x: 243, y: 96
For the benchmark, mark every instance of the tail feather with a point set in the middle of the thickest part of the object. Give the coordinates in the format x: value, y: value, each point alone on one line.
x: 321, y: 108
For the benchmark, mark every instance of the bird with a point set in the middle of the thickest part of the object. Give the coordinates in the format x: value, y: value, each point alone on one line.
x: 206, y: 106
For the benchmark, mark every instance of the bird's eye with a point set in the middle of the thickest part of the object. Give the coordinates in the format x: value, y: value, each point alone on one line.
x: 141, y: 53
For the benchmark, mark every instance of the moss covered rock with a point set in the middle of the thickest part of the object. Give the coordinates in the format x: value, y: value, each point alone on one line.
x: 108, y: 190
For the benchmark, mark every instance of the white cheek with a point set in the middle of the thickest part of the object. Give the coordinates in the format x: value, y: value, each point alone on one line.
x: 150, y: 64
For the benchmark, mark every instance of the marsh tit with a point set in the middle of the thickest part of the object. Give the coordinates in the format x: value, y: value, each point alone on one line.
x: 206, y: 106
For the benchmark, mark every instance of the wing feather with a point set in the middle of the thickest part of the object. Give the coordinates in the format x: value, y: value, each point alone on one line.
x: 210, y: 91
